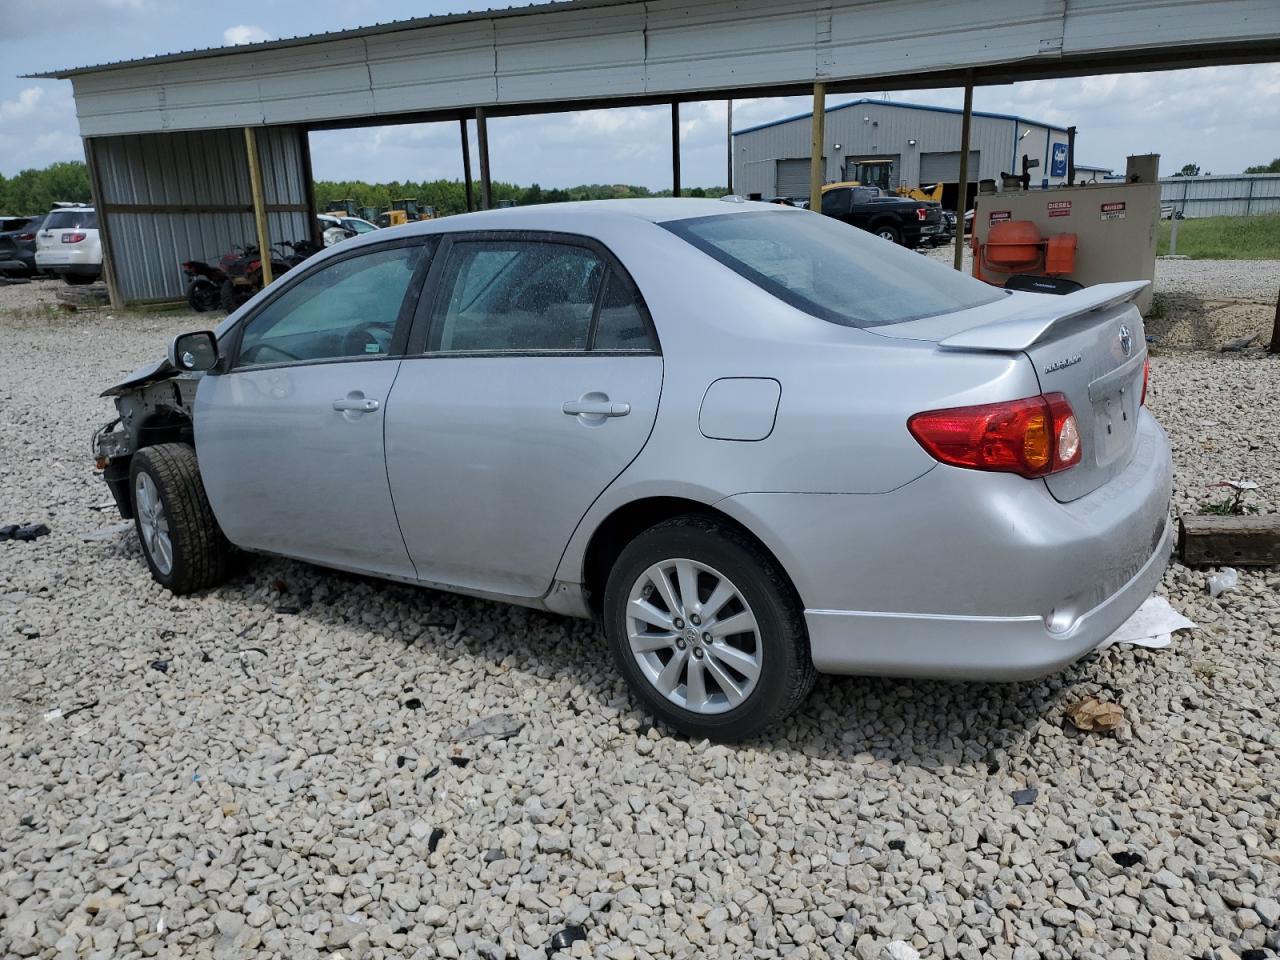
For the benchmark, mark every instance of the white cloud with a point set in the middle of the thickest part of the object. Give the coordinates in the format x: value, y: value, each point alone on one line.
x: 22, y: 106
x: 244, y: 33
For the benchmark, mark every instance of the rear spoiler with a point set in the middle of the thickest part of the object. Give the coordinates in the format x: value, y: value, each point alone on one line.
x: 1021, y: 331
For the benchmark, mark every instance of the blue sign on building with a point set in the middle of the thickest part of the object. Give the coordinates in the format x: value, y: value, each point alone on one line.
x: 1059, y: 166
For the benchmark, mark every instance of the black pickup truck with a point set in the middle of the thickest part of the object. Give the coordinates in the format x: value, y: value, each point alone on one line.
x: 908, y: 222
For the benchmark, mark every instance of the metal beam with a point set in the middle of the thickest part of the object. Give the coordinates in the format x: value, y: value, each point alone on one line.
x: 104, y: 232
x: 729, y: 144
x: 259, y: 203
x: 482, y: 138
x: 309, y: 191
x: 466, y: 164
x: 817, y: 175
x: 962, y: 197
x: 675, y: 148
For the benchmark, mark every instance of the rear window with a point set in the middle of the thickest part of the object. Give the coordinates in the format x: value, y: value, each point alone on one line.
x: 832, y: 270
x: 72, y: 220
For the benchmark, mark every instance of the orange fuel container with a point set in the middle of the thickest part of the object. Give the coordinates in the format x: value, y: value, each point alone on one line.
x: 1060, y: 254
x: 1014, y: 246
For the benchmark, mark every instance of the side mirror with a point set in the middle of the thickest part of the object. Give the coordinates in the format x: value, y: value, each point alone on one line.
x: 194, y: 351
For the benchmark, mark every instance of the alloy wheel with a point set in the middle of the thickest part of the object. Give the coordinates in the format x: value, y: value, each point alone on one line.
x: 694, y: 636
x: 153, y: 523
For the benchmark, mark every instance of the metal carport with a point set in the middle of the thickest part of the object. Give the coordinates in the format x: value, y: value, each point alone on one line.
x: 166, y: 136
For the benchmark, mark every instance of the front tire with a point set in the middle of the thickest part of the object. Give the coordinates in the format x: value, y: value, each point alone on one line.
x: 707, y: 630
x: 203, y: 294
x: 183, y: 545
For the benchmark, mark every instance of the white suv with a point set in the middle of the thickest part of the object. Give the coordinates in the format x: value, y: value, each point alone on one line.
x: 67, y: 244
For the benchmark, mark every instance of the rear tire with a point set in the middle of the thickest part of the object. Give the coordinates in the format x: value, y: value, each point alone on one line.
x: 746, y: 679
x: 229, y: 296
x: 888, y: 231
x: 78, y: 279
x: 183, y: 545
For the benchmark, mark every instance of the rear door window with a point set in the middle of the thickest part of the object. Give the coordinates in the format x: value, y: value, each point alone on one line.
x: 516, y: 295
x: 836, y: 202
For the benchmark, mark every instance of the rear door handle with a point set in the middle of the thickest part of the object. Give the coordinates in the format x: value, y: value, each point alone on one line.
x: 355, y: 402
x: 595, y: 408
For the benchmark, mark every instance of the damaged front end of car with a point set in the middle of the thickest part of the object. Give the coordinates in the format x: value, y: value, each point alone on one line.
x: 154, y: 405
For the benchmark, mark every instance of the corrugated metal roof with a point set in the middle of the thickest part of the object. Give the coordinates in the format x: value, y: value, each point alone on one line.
x: 392, y: 26
x: 864, y: 101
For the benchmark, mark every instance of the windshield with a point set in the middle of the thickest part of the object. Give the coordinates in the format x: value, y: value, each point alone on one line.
x: 832, y: 270
x: 73, y: 219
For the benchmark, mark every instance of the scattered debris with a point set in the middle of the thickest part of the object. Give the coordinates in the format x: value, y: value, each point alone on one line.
x: 401, y: 761
x: 1152, y: 625
x: 287, y: 609
x: 566, y: 938
x: 433, y: 841
x: 413, y: 703
x: 459, y: 761
x: 1126, y: 859
x: 431, y: 773
x: 1225, y: 579
x: 495, y: 854
x: 501, y: 726
x: 1233, y: 504
x: 161, y: 665
x: 1237, y: 343
x: 1022, y: 798
x: 243, y: 655
x: 897, y: 844
x: 1092, y: 715
x: 23, y: 531
x: 57, y: 712
x: 107, y: 533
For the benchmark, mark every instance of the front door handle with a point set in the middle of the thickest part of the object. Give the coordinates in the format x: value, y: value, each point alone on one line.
x: 355, y: 402
x: 595, y: 408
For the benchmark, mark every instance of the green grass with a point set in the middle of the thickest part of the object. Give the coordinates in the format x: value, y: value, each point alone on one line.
x: 1225, y: 238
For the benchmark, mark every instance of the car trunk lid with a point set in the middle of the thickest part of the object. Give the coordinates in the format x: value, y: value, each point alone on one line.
x: 1088, y: 345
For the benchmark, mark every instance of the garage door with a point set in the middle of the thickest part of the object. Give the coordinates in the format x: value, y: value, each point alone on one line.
x: 793, y: 177
x: 944, y: 167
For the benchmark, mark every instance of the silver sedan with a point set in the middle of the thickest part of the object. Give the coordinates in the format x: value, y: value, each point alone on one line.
x: 756, y: 443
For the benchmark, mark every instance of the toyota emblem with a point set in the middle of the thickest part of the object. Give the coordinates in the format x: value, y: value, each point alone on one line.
x: 1126, y: 339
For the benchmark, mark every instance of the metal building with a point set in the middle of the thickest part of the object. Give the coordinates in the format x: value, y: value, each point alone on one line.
x: 895, y: 144
x: 182, y: 146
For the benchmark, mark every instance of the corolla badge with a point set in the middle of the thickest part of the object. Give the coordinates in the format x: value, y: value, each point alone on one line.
x: 1126, y: 339
x: 1062, y: 362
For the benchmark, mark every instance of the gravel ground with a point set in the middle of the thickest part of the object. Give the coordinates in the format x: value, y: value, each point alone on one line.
x: 274, y: 769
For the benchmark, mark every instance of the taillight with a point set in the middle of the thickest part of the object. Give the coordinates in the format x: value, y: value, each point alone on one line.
x: 73, y: 237
x: 922, y: 214
x: 1146, y: 378
x: 26, y: 236
x: 1032, y: 437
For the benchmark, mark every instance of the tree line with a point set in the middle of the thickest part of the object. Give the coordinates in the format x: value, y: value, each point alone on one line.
x: 36, y: 191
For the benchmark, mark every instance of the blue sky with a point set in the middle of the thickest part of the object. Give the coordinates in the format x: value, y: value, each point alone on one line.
x: 1196, y: 116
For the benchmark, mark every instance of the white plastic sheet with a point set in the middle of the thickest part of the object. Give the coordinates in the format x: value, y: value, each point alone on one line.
x: 1152, y: 625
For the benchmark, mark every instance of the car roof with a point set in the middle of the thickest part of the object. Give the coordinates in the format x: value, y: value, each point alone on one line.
x: 590, y: 214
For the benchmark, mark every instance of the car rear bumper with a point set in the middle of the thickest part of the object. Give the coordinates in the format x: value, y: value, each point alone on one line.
x: 970, y: 575
x: 74, y: 269
x: 972, y: 647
